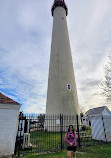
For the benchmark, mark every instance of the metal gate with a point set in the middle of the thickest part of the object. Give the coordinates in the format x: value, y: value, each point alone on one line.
x: 46, y: 133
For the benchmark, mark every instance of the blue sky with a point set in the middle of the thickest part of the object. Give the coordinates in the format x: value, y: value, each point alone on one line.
x: 25, y: 41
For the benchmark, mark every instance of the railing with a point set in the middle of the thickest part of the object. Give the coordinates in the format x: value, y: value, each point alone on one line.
x: 46, y: 133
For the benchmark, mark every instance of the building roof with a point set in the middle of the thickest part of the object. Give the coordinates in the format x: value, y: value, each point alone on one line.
x: 6, y: 100
x: 96, y: 111
x: 88, y: 112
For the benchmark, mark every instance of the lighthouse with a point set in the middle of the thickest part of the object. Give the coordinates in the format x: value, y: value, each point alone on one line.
x: 61, y: 93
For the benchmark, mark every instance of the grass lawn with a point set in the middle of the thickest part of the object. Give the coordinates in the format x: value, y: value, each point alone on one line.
x: 98, y: 151
x: 41, y: 140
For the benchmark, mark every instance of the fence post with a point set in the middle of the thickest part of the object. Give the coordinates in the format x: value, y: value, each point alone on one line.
x: 104, y: 129
x: 78, y: 131
x: 61, y: 130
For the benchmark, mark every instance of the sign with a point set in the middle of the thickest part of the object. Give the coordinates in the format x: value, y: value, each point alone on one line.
x: 57, y: 122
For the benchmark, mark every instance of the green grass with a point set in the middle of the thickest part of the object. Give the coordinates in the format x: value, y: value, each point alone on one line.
x: 45, y: 140
x: 98, y: 151
x: 42, y: 141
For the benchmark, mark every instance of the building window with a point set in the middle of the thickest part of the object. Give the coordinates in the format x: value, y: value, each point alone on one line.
x: 68, y: 86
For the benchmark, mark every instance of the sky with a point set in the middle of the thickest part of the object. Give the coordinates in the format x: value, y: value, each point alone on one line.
x: 25, y: 42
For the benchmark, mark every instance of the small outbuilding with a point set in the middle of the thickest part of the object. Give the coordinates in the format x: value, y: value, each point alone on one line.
x: 9, y: 116
x: 100, y: 119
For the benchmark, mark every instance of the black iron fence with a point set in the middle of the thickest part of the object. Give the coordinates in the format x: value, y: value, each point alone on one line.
x: 46, y: 133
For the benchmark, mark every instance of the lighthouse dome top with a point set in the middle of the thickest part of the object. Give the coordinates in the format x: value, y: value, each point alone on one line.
x: 59, y: 0
x: 59, y: 3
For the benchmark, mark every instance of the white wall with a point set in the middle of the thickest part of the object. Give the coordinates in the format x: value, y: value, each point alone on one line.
x: 9, y: 115
x: 97, y: 127
x: 107, y: 124
x: 106, y: 112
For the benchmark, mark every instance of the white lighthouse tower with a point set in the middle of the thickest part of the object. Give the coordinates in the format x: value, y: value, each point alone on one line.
x: 62, y: 94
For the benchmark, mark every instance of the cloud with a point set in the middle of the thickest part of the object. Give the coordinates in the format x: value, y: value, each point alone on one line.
x: 25, y: 42
x: 89, y: 29
x: 26, y: 74
x: 24, y: 52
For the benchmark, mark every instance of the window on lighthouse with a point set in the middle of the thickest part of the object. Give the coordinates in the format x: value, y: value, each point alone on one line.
x: 68, y: 86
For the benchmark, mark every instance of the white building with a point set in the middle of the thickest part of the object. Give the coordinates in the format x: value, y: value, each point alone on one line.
x: 100, y: 119
x: 9, y: 116
x: 85, y: 121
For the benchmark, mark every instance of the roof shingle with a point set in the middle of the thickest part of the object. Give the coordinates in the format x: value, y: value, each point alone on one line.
x: 96, y: 111
x: 6, y: 100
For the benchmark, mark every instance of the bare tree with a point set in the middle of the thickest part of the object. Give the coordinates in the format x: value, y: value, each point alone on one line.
x: 105, y: 85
